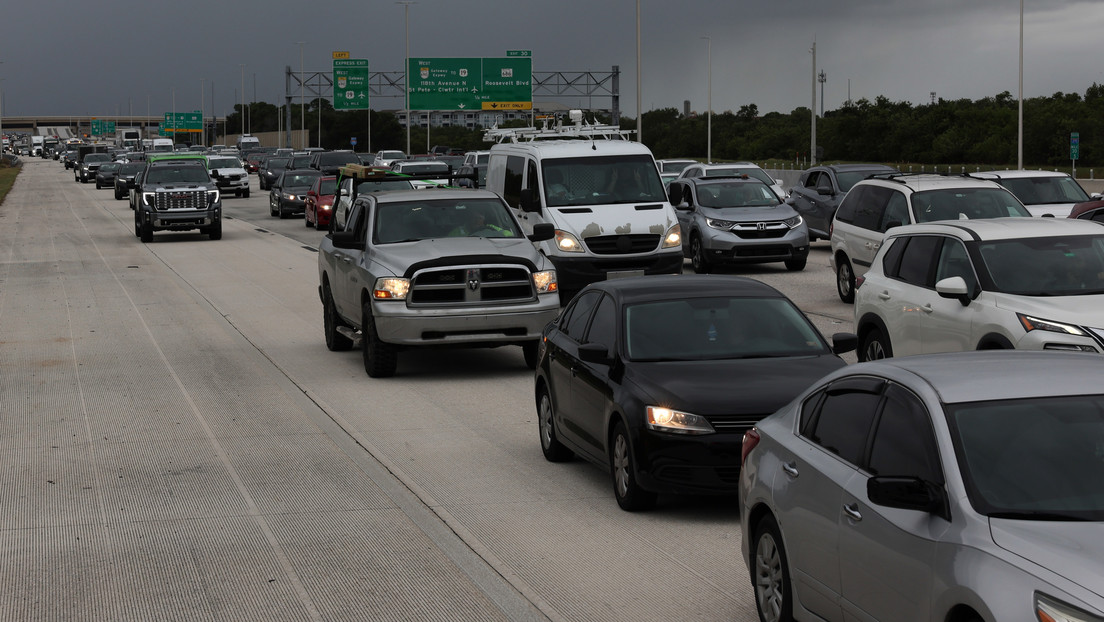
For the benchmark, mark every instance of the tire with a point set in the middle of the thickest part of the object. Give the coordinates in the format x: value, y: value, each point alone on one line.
x: 98, y: 186
x: 796, y: 265
x: 698, y: 258
x: 137, y: 227
x: 146, y: 231
x: 237, y: 193
x: 875, y: 346
x: 530, y: 350
x: 553, y: 449
x: 335, y: 341
x: 380, y: 359
x: 283, y: 212
x: 215, y: 231
x: 845, y: 280
x: 770, y: 577
x: 246, y: 194
x: 118, y: 197
x: 630, y: 496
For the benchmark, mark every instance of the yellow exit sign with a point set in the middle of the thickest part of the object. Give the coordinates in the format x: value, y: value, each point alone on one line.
x: 340, y: 55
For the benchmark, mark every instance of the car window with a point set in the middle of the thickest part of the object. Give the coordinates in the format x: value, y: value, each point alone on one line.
x: 904, y: 443
x: 954, y: 261
x: 969, y: 203
x: 916, y: 260
x: 896, y: 212
x: 575, y: 319
x: 604, y: 325
x: 868, y: 212
x: 812, y: 180
x: 847, y: 209
x: 843, y: 423
x: 1043, y: 190
x: 1046, y: 266
x: 511, y: 184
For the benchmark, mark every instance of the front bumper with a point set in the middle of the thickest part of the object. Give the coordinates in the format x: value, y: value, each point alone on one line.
x: 575, y: 273
x: 398, y: 324
x: 728, y: 247
x: 680, y: 464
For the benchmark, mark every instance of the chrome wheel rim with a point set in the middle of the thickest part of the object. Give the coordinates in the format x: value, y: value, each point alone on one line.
x: 874, y: 350
x: 769, y: 581
x: 546, y: 421
x: 696, y: 254
x: 621, y: 465
x: 845, y: 279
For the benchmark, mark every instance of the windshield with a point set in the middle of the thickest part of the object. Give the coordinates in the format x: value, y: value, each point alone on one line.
x: 276, y: 163
x: 751, y: 171
x: 330, y: 159
x: 298, y: 180
x: 965, y: 203
x: 392, y: 155
x: 1044, y: 190
x: 719, y: 328
x: 413, y: 169
x: 223, y: 163
x: 131, y: 168
x: 602, y: 179
x: 177, y: 174
x: 325, y: 186
x: 1046, y: 266
x: 97, y: 157
x: 382, y: 186
x: 674, y: 166
x: 1039, y: 458
x: 410, y: 221
x: 736, y: 194
x: 846, y: 180
x: 108, y: 167
x: 299, y: 162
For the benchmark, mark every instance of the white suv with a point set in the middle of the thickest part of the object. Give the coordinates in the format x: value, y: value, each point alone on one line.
x: 734, y: 168
x: 1028, y: 284
x: 874, y: 205
x: 1044, y: 193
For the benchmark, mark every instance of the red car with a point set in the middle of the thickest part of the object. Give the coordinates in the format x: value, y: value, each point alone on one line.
x: 1089, y: 210
x: 319, y: 202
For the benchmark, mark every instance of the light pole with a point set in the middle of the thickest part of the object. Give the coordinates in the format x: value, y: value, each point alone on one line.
x: 406, y: 81
x: 822, y: 77
x: 639, y: 96
x: 302, y: 92
x: 174, y: 117
x: 812, y: 137
x: 1019, y: 142
x: 709, y: 100
x: 242, y: 118
x: 202, y: 116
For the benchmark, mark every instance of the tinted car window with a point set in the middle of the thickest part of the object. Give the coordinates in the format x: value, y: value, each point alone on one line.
x: 604, y: 325
x: 896, y: 212
x: 953, y: 261
x: 904, y: 444
x: 575, y: 321
x: 868, y: 212
x: 847, y: 209
x: 844, y: 422
x: 916, y: 260
x: 511, y: 185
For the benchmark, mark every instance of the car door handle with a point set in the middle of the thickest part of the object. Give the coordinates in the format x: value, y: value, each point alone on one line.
x: 927, y: 308
x: 872, y: 245
x: 790, y: 469
x: 852, y: 511
x: 884, y: 296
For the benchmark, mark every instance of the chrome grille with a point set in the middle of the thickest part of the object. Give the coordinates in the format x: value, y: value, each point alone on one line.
x: 760, y: 230
x: 471, y: 285
x: 735, y: 423
x: 180, y: 200
x: 622, y: 244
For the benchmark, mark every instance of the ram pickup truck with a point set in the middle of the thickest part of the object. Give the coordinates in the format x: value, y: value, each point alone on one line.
x: 416, y: 268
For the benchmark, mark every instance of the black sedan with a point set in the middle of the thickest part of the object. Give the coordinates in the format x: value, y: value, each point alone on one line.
x: 124, y: 178
x: 657, y: 378
x: 289, y: 193
x: 105, y: 175
x: 273, y: 168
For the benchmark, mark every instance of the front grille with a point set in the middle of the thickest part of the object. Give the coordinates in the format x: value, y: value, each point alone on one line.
x: 734, y: 423
x: 180, y: 200
x: 622, y: 244
x: 471, y: 285
x: 760, y: 230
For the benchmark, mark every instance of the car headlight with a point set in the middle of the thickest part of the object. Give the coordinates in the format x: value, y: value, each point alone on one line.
x: 667, y: 420
x: 290, y: 197
x: 1031, y: 323
x: 147, y: 198
x: 567, y: 242
x: 717, y: 223
x: 212, y: 196
x: 673, y: 237
x: 391, y: 288
x: 1050, y: 610
x: 794, y: 223
x: 545, y: 282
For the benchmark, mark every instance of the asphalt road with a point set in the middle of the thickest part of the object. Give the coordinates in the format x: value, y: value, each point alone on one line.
x: 179, y: 444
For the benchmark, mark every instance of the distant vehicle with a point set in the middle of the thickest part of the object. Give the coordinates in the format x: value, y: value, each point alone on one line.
x: 319, y: 202
x: 124, y: 178
x: 229, y: 174
x: 105, y: 175
x: 386, y: 157
x: 37, y: 145
x: 128, y: 138
x: 161, y: 145
x: 697, y: 169
x: 413, y: 168
x: 819, y: 191
x: 330, y: 162
x: 1044, y: 193
x: 247, y: 142
x: 176, y: 193
x: 673, y: 166
x: 289, y: 194
x: 273, y: 167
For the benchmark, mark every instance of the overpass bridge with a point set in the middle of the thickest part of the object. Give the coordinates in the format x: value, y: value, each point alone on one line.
x: 81, y: 127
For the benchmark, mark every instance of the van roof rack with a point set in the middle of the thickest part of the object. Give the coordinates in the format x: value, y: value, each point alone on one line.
x: 555, y: 129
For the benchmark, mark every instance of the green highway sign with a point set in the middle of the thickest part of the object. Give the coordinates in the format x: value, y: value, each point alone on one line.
x: 1075, y: 145
x: 100, y: 127
x: 519, y: 52
x: 350, y: 82
x: 184, y: 122
x: 471, y: 83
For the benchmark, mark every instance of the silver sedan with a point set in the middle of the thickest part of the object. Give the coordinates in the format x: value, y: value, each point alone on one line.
x: 963, y: 486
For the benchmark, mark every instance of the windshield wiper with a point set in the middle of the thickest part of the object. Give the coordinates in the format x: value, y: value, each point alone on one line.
x: 1037, y: 515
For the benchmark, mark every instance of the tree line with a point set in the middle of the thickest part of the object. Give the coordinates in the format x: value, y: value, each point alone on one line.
x: 946, y: 132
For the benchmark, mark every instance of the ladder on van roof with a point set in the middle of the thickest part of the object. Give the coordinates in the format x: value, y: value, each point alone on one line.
x: 580, y: 129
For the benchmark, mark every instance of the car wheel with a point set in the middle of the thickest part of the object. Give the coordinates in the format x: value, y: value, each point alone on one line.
x: 630, y: 496
x: 554, y: 450
x: 796, y: 265
x: 697, y: 256
x: 380, y: 359
x: 845, y: 280
x: 771, y: 574
x: 215, y: 231
x: 875, y: 347
x: 283, y: 212
x: 118, y: 197
x: 335, y: 341
x: 246, y: 194
x: 98, y: 186
x: 530, y: 350
x: 146, y: 231
x: 137, y: 227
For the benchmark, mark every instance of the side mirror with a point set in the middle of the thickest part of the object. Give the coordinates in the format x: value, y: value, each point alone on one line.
x: 954, y: 287
x: 214, y: 174
x: 595, y: 353
x: 684, y: 206
x: 908, y: 493
x: 543, y: 231
x: 530, y: 201
x: 344, y: 192
x: 824, y: 189
x: 347, y: 240
x: 844, y: 342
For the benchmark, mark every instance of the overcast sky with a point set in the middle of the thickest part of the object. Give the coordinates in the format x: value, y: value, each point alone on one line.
x: 107, y: 58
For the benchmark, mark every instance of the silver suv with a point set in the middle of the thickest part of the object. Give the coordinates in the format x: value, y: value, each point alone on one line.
x: 874, y: 205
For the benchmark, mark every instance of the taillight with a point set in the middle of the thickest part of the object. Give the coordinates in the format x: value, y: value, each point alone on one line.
x: 859, y: 281
x: 751, y: 439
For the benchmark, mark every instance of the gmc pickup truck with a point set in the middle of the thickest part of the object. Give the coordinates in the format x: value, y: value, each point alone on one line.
x: 415, y: 268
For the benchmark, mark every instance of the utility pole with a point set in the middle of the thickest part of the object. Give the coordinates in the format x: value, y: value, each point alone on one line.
x: 812, y: 145
x: 822, y: 78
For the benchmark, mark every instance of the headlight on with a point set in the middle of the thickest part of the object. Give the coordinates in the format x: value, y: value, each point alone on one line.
x: 290, y: 197
x: 668, y: 420
x: 717, y: 223
x: 545, y: 282
x: 147, y: 198
x: 1050, y: 610
x: 391, y: 288
x: 1030, y: 323
x: 567, y: 242
x: 673, y: 237
x: 212, y: 196
x: 794, y: 223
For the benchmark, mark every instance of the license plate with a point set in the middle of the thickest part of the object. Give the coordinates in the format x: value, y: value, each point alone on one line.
x: 621, y: 274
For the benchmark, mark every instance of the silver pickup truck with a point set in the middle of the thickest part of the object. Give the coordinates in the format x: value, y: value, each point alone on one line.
x: 414, y: 268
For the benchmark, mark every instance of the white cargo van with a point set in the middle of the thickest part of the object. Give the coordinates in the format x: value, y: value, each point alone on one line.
x: 246, y: 141
x: 602, y: 192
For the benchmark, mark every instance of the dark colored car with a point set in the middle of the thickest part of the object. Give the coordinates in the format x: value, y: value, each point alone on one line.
x: 656, y: 378
x: 124, y: 178
x: 298, y: 161
x: 273, y: 168
x: 105, y: 175
x: 819, y: 191
x: 289, y: 194
x: 330, y: 162
x: 1089, y: 210
x: 478, y: 170
x: 319, y: 204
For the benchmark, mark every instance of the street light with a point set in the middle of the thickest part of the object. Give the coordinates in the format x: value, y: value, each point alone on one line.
x: 302, y: 89
x: 406, y: 6
x: 709, y: 100
x: 242, y: 65
x: 1019, y: 142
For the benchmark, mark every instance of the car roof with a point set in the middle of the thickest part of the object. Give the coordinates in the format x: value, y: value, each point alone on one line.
x: 1017, y: 373
x: 448, y: 194
x: 847, y: 168
x: 1018, y: 174
x: 574, y: 148
x: 720, y: 179
x: 682, y: 286
x: 919, y: 182
x: 1003, y: 228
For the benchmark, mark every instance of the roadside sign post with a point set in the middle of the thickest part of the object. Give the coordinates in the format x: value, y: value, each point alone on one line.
x: 471, y: 83
x: 1075, y: 151
x: 351, y: 83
